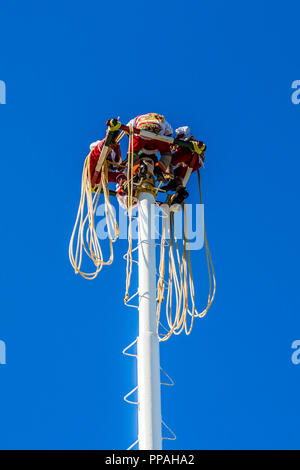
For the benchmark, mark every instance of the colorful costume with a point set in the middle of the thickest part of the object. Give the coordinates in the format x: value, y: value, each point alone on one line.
x: 114, y: 157
x: 145, y: 148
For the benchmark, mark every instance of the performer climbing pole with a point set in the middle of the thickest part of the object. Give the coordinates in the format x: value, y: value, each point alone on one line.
x: 168, y: 286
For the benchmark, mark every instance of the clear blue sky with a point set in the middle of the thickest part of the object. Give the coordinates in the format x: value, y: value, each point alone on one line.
x: 225, y: 68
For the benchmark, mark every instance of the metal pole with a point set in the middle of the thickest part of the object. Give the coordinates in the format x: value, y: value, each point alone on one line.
x: 149, y: 409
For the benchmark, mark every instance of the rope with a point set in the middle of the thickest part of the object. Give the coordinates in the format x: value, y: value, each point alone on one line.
x: 84, y: 231
x: 177, y: 292
x: 181, y: 287
x: 129, y: 212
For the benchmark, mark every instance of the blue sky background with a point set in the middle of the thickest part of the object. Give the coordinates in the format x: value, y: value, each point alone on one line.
x: 225, y: 68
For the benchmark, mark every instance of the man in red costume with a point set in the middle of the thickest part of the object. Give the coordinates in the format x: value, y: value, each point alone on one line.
x: 184, y: 159
x: 114, y: 157
x: 146, y: 150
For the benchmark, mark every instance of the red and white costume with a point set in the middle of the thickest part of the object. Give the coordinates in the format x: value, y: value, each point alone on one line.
x: 156, y: 123
x: 184, y: 158
x: 114, y: 156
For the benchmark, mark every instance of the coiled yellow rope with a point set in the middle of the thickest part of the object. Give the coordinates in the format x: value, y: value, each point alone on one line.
x: 84, y: 230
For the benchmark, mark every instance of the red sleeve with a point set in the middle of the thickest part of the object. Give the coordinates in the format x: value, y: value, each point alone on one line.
x: 139, y: 143
x: 93, y: 159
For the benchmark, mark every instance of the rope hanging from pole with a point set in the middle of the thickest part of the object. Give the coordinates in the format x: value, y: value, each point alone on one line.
x: 175, y: 285
x: 129, y: 213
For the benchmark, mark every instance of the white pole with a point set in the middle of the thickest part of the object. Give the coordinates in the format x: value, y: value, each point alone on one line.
x: 149, y: 409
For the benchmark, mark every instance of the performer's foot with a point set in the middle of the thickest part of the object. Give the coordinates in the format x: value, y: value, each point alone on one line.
x: 180, y: 196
